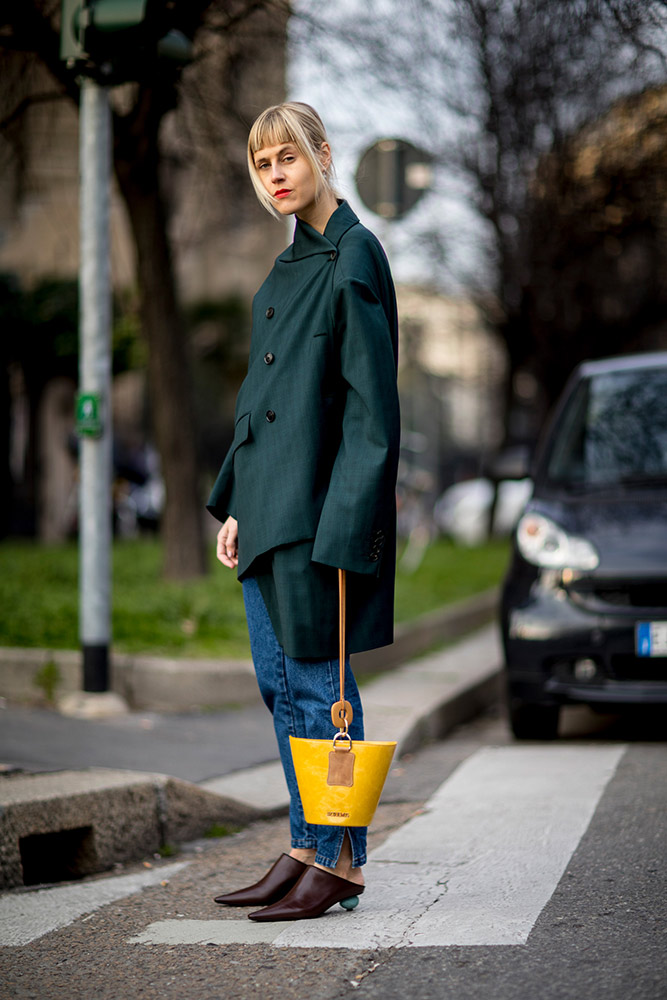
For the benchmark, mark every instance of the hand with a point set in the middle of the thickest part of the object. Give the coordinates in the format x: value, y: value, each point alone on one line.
x: 228, y: 543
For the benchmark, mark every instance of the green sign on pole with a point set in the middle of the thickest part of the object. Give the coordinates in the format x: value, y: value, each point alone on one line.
x: 89, y: 414
x: 115, y: 41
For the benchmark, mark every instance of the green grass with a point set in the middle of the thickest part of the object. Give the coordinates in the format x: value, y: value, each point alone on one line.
x: 39, y: 599
x: 449, y: 573
x: 39, y: 603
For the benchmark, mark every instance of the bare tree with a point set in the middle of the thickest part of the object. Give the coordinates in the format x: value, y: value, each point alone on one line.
x: 494, y: 86
x: 598, y: 238
x: 29, y: 32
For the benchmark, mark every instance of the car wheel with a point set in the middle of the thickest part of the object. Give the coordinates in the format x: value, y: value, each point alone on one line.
x: 533, y: 722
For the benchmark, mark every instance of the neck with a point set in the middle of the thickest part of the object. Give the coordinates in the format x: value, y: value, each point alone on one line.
x: 319, y: 212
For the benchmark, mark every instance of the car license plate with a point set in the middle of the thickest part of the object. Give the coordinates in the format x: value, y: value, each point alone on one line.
x: 651, y: 638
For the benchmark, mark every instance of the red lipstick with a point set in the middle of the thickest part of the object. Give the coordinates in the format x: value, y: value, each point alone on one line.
x: 282, y: 193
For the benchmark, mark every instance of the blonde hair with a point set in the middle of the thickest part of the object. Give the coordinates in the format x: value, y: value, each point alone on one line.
x: 299, y: 124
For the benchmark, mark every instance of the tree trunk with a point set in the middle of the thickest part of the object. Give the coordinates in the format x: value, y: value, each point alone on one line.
x: 136, y: 165
x: 6, y: 483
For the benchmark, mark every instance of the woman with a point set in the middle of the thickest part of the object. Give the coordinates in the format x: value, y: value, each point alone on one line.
x: 308, y: 484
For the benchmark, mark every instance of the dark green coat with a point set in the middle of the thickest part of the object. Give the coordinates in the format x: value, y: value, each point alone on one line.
x: 311, y: 472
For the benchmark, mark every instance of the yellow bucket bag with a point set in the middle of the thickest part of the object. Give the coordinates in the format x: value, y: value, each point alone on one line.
x: 340, y: 781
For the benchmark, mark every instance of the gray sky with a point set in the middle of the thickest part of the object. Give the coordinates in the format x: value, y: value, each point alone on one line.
x: 357, y: 112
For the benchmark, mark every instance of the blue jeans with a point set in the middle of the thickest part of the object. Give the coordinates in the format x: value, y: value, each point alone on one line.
x: 299, y: 694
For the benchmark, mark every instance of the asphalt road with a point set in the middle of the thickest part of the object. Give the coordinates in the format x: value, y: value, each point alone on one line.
x: 598, y: 800
x: 192, y: 746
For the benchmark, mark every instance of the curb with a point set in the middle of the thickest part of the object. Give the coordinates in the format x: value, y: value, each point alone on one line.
x: 160, y: 684
x: 68, y: 824
x: 146, y: 683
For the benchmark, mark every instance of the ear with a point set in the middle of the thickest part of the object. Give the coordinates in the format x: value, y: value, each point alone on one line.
x: 325, y: 155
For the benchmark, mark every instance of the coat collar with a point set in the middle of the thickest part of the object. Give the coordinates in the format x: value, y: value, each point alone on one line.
x: 307, y: 241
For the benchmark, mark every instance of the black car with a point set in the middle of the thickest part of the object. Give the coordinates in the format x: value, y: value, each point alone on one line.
x: 584, y: 605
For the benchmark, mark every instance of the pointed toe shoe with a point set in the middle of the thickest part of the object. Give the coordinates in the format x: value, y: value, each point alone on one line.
x: 278, y: 881
x: 312, y: 895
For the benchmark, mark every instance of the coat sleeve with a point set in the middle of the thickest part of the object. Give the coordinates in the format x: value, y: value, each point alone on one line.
x: 222, y: 501
x: 358, y: 515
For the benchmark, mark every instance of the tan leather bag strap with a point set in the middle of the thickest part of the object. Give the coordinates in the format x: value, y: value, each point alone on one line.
x: 341, y: 631
x: 341, y: 710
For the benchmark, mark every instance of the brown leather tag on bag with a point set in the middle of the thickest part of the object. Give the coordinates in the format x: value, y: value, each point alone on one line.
x: 341, y: 768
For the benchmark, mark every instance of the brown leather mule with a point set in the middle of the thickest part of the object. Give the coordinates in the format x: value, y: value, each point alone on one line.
x: 314, y: 893
x: 278, y: 881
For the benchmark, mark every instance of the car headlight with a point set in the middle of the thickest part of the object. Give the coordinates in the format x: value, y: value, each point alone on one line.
x: 543, y: 543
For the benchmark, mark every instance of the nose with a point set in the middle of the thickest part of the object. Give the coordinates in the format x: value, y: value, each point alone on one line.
x: 277, y: 172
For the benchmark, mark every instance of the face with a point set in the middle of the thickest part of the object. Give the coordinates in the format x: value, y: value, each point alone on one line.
x: 288, y: 177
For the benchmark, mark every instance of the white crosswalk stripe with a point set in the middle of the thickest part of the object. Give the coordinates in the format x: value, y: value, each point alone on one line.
x: 26, y: 916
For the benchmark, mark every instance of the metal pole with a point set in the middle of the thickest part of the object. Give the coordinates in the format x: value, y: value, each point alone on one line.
x: 94, y: 406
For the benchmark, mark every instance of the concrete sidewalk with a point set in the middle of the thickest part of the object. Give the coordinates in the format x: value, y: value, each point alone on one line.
x: 92, y: 818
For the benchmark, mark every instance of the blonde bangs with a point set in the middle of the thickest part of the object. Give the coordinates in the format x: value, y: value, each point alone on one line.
x: 270, y: 129
x: 290, y: 122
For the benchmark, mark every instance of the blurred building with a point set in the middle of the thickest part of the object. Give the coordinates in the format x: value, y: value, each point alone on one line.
x: 39, y: 211
x: 223, y: 242
x: 451, y: 378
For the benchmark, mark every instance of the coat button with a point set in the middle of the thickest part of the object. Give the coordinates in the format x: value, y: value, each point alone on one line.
x: 374, y: 556
x: 332, y: 255
x: 269, y: 312
x: 270, y: 416
x: 269, y: 358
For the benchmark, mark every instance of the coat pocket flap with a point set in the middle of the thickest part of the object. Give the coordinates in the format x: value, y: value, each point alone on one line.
x: 241, y: 431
